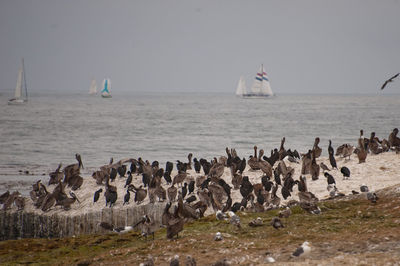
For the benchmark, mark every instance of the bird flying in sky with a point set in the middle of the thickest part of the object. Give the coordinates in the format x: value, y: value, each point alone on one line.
x: 389, y: 80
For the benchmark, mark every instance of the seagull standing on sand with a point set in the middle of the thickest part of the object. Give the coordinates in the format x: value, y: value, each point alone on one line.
x: 220, y: 215
x: 389, y: 80
x: 234, y: 219
x: 364, y: 188
x: 218, y: 236
x: 302, y: 251
x: 277, y: 223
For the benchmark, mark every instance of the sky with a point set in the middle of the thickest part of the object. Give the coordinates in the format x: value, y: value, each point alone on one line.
x: 306, y: 46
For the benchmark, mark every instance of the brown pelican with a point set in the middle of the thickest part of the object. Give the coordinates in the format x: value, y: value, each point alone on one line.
x: 189, y: 164
x: 67, y: 202
x: 56, y: 176
x: 306, y: 163
x: 174, y: 225
x: 393, y: 140
x: 59, y: 191
x: 275, y: 200
x: 73, y: 169
x: 172, y: 191
x: 345, y: 150
x: 160, y: 193
x: 166, y: 216
x: 19, y: 201
x: 253, y: 161
x: 147, y: 226
x: 282, y: 151
x: 140, y: 193
x: 236, y: 180
x: 48, y: 202
x: 4, y: 196
x: 204, y: 196
x: 314, y: 167
x: 373, y: 144
x: 178, y: 179
x: 185, y: 210
x: 216, y: 171
x: 324, y: 166
x: 317, y: 150
x: 389, y: 80
x: 10, y: 200
x: 218, y: 195
x: 264, y: 165
x: 76, y: 182
x: 41, y: 194
x: 361, y: 151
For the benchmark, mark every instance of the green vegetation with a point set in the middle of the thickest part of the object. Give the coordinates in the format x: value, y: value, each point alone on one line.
x: 355, y: 220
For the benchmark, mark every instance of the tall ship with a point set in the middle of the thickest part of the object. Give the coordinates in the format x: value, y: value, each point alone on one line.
x: 261, y: 87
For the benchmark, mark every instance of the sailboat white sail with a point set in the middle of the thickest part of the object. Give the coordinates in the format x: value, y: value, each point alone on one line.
x: 105, y: 93
x: 241, y: 87
x: 21, y: 92
x: 93, y: 87
x: 261, y: 87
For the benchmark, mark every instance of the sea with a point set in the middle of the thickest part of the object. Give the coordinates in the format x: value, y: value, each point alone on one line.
x: 52, y: 127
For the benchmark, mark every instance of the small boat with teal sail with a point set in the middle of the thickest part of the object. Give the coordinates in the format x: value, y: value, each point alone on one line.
x: 105, y: 93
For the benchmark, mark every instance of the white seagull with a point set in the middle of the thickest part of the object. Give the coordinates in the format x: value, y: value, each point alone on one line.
x: 302, y: 251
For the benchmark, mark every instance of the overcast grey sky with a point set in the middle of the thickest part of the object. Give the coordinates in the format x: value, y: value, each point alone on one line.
x: 306, y: 46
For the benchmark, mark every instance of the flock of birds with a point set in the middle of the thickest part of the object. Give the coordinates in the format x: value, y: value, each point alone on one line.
x: 189, y: 197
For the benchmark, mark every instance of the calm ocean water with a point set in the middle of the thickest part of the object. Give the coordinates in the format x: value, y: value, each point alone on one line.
x: 52, y: 128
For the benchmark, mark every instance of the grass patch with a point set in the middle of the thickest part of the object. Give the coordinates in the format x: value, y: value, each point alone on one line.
x: 340, y: 221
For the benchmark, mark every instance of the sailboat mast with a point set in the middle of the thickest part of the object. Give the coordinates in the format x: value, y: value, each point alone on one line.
x: 23, y: 71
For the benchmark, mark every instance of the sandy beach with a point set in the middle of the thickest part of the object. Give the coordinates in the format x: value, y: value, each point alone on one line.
x: 379, y: 171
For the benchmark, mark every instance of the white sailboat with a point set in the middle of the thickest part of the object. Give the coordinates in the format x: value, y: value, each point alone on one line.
x: 241, y: 87
x: 93, y: 87
x: 261, y: 87
x: 21, y: 91
x: 105, y: 93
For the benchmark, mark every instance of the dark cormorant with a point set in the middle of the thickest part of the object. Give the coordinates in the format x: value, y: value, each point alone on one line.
x: 128, y: 180
x: 191, y: 186
x: 345, y: 171
x: 197, y: 166
x: 330, y: 178
x: 127, y: 197
x: 331, y: 155
x: 113, y: 174
x: 97, y: 195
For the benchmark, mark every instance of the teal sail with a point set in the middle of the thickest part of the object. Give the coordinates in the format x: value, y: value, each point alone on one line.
x: 105, y: 93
